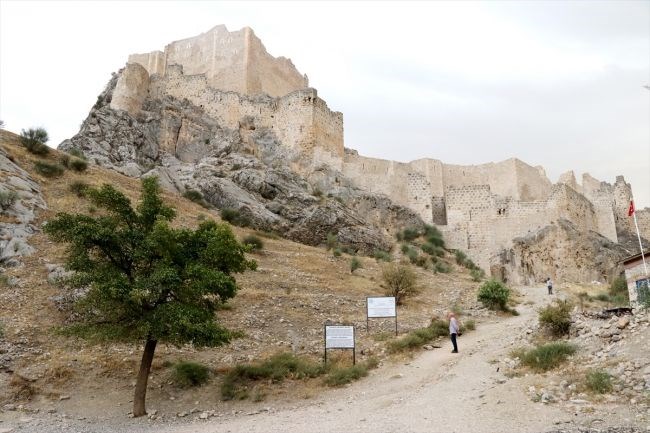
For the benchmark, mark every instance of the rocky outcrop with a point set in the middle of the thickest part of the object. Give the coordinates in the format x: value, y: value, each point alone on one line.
x: 246, y: 169
x: 20, y: 200
x: 563, y: 253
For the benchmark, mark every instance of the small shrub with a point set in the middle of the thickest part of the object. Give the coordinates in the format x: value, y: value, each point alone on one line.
x: 78, y: 165
x: 494, y: 295
x: 547, y: 356
x: 410, y: 233
x: 78, y: 188
x: 618, y: 292
x: 195, y: 196
x: 187, y: 374
x: 556, y: 318
x: 468, y: 325
x: 477, y: 275
x: 337, y: 252
x: 384, y: 256
x: 275, y: 369
x: 400, y: 281
x: 412, y: 255
x: 405, y: 248
x: 433, y: 250
x: 344, y: 375
x: 331, y: 241
x: 442, y: 267
x: 433, y: 236
x: 48, y: 170
x: 598, y: 381
x: 603, y: 297
x: 34, y: 140
x: 418, y: 337
x: 7, y: 199
x: 460, y: 257
x: 421, y: 261
x: 76, y: 153
x: 355, y: 264
x: 64, y: 160
x: 254, y: 243
x: 234, y: 217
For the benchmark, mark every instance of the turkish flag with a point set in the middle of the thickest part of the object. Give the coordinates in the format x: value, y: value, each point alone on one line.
x: 630, y: 211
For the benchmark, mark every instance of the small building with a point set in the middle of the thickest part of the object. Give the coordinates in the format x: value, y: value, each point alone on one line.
x: 636, y: 279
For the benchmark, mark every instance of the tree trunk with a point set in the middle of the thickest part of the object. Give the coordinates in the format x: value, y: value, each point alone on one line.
x: 143, y: 377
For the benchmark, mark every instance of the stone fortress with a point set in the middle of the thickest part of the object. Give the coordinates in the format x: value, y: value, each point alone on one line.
x: 479, y: 208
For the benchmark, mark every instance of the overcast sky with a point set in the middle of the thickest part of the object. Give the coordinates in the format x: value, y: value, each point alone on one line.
x: 557, y: 84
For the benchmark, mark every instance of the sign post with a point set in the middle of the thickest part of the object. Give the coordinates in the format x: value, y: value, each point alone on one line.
x: 380, y: 307
x: 340, y: 337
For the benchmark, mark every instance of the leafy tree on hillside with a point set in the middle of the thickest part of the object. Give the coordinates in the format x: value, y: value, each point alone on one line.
x: 148, y: 281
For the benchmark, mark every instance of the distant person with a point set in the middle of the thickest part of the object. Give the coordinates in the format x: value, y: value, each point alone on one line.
x: 549, y: 286
x: 453, y: 330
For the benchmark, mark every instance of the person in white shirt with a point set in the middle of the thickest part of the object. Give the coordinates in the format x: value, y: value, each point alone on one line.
x: 549, y: 286
x: 453, y: 330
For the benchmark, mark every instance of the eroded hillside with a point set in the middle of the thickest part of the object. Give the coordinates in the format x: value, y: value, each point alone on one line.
x: 281, y: 307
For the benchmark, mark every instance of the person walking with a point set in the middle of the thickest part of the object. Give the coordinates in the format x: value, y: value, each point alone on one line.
x: 549, y: 285
x: 454, y: 328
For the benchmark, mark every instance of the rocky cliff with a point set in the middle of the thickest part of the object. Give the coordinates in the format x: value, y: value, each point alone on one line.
x: 244, y: 169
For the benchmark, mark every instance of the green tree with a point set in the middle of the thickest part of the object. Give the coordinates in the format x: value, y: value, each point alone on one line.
x: 148, y: 281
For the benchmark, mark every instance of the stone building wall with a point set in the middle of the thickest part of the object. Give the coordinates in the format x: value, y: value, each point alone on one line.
x: 232, y: 61
x: 643, y: 220
x: 301, y: 120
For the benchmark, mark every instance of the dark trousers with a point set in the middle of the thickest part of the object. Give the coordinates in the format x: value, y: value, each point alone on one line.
x: 453, y: 341
x: 550, y: 290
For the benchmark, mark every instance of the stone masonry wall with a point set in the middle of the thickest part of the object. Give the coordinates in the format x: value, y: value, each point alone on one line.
x: 231, y: 61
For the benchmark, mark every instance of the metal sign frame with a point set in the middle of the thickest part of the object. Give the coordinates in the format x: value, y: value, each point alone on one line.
x: 380, y: 317
x: 354, y: 342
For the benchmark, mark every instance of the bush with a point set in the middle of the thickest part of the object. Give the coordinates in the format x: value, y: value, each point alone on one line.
x: 7, y: 199
x: 598, y: 381
x: 345, y: 375
x: 619, y: 294
x: 410, y: 233
x: 354, y: 264
x: 421, y: 261
x: 255, y: 243
x: 78, y: 165
x: 197, y: 197
x: 433, y: 235
x: 331, y: 241
x: 477, y: 275
x: 382, y: 255
x: 77, y: 153
x: 433, y: 250
x: 494, y: 295
x: 405, y: 248
x: 64, y: 160
x: 337, y: 252
x: 468, y: 325
x: 79, y: 188
x: 418, y: 337
x: 275, y: 369
x: 556, y: 318
x: 412, y: 255
x: 34, y: 140
x: 460, y: 257
x: 234, y: 217
x: 400, y: 281
x: 442, y: 267
x: 547, y: 356
x: 48, y: 170
x: 187, y: 374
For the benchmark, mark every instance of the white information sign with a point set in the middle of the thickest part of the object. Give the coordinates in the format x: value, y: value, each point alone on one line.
x: 339, y: 337
x: 381, y: 307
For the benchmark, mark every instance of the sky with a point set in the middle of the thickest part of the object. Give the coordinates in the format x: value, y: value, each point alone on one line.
x: 554, y: 83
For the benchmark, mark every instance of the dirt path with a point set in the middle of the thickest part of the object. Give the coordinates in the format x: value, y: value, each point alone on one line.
x: 437, y: 392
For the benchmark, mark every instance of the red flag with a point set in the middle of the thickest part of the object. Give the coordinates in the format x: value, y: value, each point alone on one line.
x: 630, y: 211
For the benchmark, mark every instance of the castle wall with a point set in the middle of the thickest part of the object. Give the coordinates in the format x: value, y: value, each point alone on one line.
x: 643, y: 220
x: 231, y: 61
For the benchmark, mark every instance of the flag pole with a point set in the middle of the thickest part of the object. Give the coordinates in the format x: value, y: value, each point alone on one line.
x: 633, y: 210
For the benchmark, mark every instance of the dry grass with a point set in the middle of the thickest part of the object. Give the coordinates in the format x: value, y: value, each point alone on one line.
x: 300, y: 284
